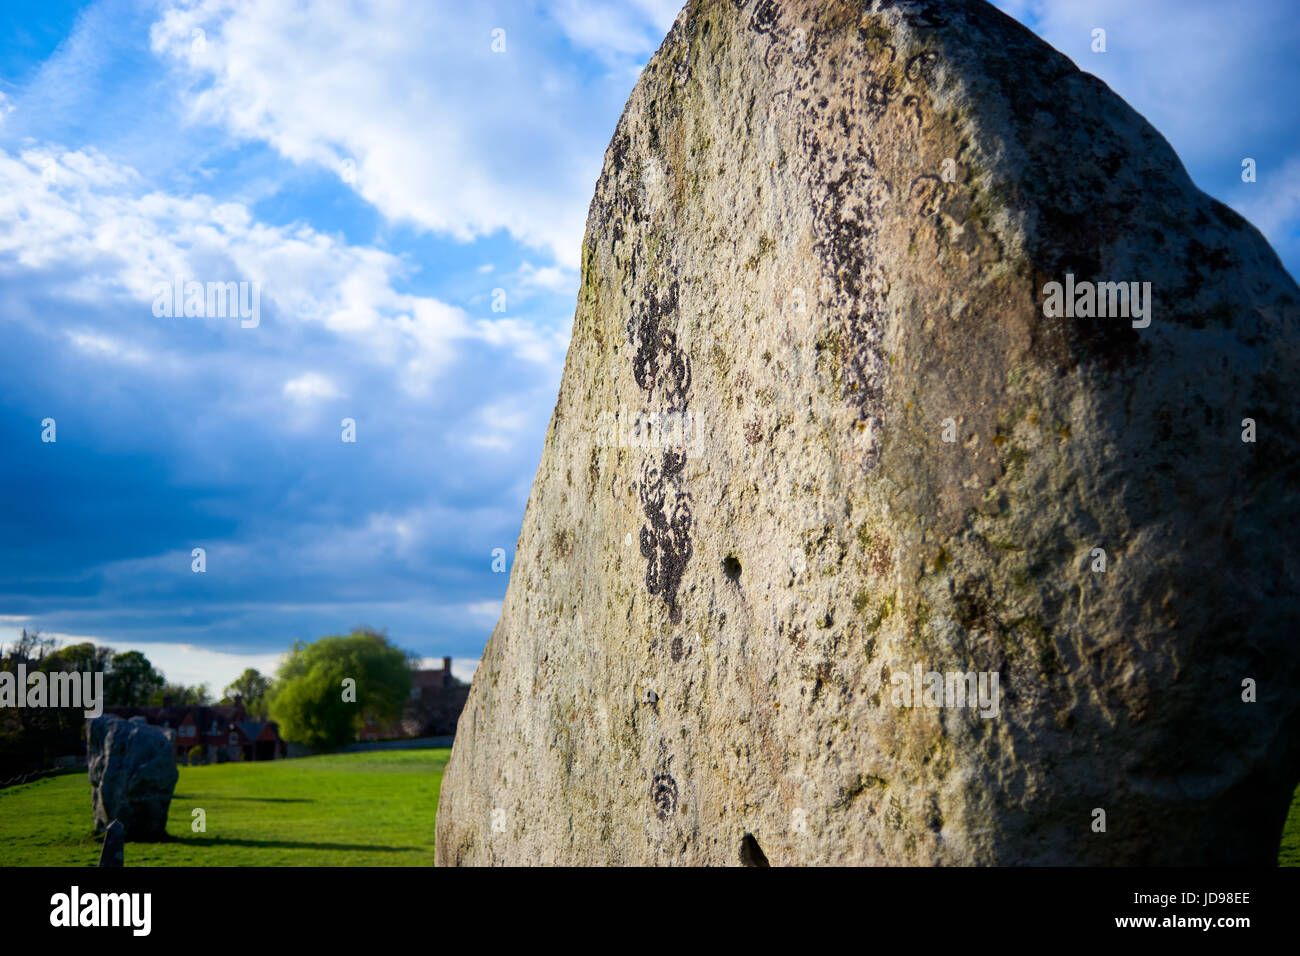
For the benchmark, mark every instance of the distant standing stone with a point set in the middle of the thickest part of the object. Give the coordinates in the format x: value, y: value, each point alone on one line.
x: 114, y: 844
x: 132, y: 776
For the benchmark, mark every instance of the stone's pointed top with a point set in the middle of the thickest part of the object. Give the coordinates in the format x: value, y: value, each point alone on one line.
x: 823, y: 235
x: 114, y: 845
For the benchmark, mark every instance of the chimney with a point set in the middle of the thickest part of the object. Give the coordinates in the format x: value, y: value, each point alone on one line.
x: 446, y: 672
x: 239, y: 707
x: 167, y: 702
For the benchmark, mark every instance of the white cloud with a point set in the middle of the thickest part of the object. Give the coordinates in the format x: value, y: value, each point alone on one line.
x: 104, y: 346
x: 444, y: 134
x: 88, y: 220
x: 552, y: 278
x: 487, y: 611
x: 501, y: 427
x: 311, y: 387
x: 608, y: 28
x: 525, y: 340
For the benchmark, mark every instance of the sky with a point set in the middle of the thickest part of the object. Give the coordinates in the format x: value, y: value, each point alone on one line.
x: 402, y: 187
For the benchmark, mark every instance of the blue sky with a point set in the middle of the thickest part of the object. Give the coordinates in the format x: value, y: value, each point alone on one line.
x: 378, y: 171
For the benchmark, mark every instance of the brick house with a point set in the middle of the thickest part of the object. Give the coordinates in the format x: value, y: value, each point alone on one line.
x: 437, y: 698
x: 225, y: 732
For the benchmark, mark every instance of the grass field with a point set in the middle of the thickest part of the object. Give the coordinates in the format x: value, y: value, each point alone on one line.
x: 363, y: 809
x: 1289, y: 854
x: 367, y: 809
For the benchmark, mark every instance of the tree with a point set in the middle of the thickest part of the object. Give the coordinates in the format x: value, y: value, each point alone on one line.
x: 83, y: 658
x: 310, y: 701
x: 182, y: 696
x: 28, y: 649
x: 31, y: 737
x: 132, y: 680
x: 253, y: 687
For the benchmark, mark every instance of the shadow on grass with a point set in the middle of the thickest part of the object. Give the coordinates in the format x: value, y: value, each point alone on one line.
x: 292, y: 845
x: 209, y: 796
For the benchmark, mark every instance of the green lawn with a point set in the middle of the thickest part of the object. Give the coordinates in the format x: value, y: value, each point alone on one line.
x: 367, y: 809
x: 363, y: 809
x: 1289, y: 854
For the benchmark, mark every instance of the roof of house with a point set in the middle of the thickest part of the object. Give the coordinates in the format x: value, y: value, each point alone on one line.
x: 201, y: 716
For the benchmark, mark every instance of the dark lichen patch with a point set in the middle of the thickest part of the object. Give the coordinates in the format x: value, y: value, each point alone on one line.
x: 663, y: 370
x: 794, y: 633
x: 562, y: 544
x: 973, y: 610
x: 874, y: 550
x: 666, y: 537
x: 873, y: 33
x: 721, y: 360
x: 860, y: 784
x: 765, y: 246
x: 663, y: 795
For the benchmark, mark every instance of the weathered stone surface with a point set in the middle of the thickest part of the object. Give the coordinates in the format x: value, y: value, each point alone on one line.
x: 114, y: 848
x: 132, y: 776
x: 697, y: 654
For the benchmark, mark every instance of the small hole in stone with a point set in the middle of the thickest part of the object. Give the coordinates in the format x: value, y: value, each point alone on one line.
x: 731, y: 567
x: 751, y: 854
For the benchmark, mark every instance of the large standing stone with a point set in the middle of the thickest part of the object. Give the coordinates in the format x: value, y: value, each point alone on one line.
x: 132, y: 776
x: 824, y: 231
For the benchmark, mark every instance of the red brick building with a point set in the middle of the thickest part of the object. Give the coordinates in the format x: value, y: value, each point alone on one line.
x: 225, y: 732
